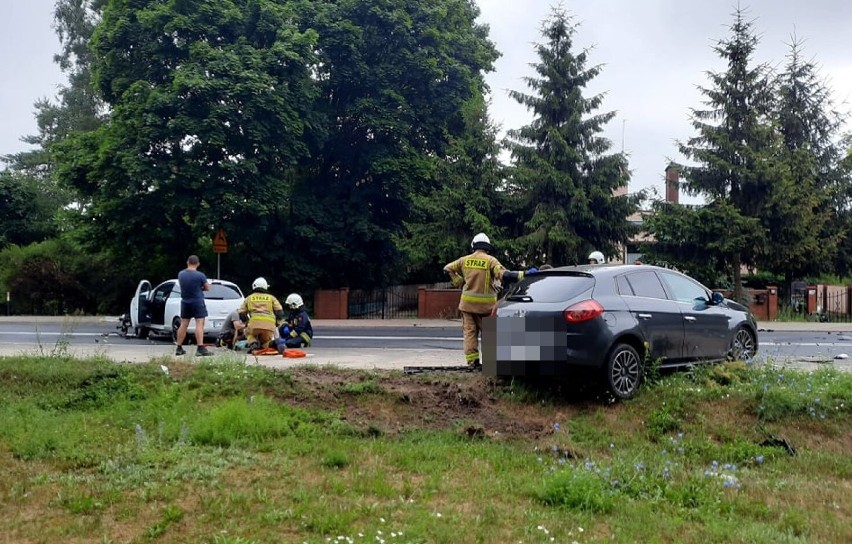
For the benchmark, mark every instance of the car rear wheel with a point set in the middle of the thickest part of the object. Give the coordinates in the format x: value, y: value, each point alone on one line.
x: 623, y: 371
x: 743, y: 346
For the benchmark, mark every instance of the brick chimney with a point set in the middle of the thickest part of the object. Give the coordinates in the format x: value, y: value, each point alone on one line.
x: 672, y: 184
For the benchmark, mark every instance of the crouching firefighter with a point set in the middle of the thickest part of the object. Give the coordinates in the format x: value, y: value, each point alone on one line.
x: 477, y: 274
x: 297, y: 332
x: 261, y: 312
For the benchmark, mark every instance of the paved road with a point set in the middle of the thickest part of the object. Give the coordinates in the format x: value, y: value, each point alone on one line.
x: 376, y: 344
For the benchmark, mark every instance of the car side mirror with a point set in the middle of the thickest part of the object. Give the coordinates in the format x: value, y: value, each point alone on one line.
x: 717, y: 298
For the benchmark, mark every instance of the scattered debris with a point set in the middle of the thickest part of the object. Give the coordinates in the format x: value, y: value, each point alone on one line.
x: 779, y: 442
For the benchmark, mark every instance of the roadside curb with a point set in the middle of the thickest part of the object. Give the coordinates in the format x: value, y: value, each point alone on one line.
x: 763, y: 326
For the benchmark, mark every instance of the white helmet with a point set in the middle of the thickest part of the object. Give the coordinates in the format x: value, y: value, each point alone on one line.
x: 596, y: 256
x: 294, y: 300
x: 260, y: 283
x: 479, y: 239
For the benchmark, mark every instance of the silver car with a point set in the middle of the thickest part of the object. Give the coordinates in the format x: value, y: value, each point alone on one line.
x: 157, y: 310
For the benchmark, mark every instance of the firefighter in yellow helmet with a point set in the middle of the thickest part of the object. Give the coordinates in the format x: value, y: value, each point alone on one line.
x: 261, y: 312
x: 477, y: 273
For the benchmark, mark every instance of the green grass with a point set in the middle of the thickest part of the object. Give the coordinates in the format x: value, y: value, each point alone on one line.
x: 219, y: 452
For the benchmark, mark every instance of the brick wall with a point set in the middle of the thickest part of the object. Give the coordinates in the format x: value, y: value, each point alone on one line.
x: 438, y: 303
x: 331, y: 303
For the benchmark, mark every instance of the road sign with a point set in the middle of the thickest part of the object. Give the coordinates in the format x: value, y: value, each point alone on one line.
x: 220, y: 243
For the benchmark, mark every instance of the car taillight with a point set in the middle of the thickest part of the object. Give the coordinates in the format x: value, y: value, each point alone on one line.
x: 583, y: 311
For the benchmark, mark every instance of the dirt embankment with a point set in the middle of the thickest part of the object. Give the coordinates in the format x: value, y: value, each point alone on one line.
x: 389, y: 402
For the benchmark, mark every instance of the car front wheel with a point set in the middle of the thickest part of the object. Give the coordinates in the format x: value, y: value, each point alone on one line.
x: 623, y: 371
x: 175, y: 327
x: 743, y: 346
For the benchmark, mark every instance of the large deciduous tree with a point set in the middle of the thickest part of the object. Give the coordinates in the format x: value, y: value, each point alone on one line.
x: 562, y: 171
x: 209, y: 105
x: 467, y: 199
x: 396, y: 78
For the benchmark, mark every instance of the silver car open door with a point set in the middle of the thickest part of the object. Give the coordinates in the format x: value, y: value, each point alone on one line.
x: 140, y: 311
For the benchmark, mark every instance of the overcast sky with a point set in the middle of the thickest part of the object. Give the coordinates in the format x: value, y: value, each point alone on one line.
x: 654, y: 54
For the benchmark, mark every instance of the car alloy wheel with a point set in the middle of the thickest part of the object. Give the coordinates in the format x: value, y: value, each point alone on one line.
x: 743, y: 346
x: 623, y: 371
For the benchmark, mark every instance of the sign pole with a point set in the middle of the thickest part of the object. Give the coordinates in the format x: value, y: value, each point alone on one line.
x: 220, y: 245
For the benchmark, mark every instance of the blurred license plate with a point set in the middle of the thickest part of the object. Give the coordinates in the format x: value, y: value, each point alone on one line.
x: 217, y: 324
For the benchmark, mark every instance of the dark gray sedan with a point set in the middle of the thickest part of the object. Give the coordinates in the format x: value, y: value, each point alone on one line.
x: 614, y: 320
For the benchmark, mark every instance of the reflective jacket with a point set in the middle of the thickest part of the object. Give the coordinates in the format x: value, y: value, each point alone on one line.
x: 298, y: 325
x: 263, y: 311
x: 477, y: 274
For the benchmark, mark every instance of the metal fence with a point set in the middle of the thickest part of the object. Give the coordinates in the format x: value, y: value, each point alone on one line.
x: 834, y: 303
x: 396, y: 302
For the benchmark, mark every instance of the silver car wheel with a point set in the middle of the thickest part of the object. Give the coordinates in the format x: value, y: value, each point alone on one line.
x: 175, y: 327
x: 743, y: 347
x: 624, y: 371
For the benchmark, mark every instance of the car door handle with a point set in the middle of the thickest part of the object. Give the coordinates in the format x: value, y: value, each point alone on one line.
x: 643, y: 316
x: 690, y: 318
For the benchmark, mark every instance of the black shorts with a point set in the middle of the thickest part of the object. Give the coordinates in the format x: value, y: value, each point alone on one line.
x: 196, y: 309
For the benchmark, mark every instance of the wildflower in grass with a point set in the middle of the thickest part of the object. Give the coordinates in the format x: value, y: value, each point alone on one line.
x: 540, y: 459
x: 731, y: 482
x: 611, y: 445
x: 759, y: 459
x: 666, y: 473
x: 589, y: 464
x: 664, y: 452
x: 556, y: 427
x: 639, y: 467
x: 141, y: 437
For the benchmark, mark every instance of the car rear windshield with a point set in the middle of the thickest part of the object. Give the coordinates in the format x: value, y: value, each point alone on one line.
x: 551, y: 288
x: 219, y: 291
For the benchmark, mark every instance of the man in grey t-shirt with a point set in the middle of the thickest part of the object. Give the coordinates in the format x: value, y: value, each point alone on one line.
x: 233, y: 330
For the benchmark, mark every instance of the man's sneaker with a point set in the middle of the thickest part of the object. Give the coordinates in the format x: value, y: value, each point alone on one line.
x: 202, y: 352
x: 180, y: 350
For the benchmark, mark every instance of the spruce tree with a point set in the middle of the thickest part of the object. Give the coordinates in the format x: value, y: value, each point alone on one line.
x: 734, y: 146
x: 562, y: 173
x: 799, y: 215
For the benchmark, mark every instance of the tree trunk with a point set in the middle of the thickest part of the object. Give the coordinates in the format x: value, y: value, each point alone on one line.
x: 738, y: 279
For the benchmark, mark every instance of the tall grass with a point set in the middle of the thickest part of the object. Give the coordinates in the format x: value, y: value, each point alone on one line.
x: 216, y: 453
